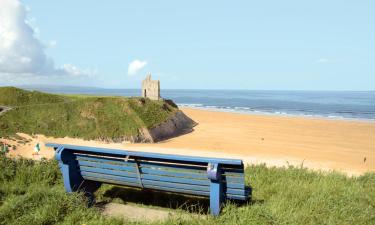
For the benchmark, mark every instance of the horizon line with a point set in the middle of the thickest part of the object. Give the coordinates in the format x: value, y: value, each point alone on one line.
x: 197, y: 89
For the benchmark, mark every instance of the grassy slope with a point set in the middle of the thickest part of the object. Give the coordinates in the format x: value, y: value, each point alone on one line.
x: 32, y: 193
x: 86, y: 117
x: 11, y: 96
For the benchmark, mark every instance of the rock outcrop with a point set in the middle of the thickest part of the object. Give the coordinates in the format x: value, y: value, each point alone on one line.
x: 177, y: 125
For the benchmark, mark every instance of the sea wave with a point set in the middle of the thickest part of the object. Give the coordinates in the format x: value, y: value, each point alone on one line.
x: 299, y: 113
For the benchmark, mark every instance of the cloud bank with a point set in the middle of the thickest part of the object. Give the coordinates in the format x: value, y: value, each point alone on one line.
x: 21, y: 53
x: 135, y: 66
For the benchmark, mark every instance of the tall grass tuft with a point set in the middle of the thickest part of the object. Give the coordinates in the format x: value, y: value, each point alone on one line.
x: 32, y: 193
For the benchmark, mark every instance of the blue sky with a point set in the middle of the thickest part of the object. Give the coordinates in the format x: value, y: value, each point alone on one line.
x: 268, y: 45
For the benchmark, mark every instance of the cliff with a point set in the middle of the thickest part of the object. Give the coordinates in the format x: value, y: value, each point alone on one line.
x: 113, y: 119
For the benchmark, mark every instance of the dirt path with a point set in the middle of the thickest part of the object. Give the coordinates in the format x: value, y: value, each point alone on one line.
x: 137, y: 213
x: 4, y: 109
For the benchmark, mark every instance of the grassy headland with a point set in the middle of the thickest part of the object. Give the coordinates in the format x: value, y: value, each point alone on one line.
x: 88, y: 117
x: 32, y: 192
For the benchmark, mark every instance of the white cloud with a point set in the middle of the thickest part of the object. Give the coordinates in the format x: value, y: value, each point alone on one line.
x: 135, y: 66
x: 22, y: 54
x: 74, y: 71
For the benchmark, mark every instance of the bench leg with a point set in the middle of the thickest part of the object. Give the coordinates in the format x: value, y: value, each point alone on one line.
x: 73, y: 181
x: 216, y: 197
x: 71, y: 176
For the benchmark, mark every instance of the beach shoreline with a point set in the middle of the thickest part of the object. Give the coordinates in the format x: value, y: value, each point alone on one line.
x: 276, y: 114
x: 314, y: 143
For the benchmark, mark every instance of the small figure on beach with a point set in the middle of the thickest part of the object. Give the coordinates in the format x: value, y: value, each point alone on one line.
x: 36, y: 149
x: 4, y: 148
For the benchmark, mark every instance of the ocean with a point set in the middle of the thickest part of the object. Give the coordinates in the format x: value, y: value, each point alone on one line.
x: 328, y: 104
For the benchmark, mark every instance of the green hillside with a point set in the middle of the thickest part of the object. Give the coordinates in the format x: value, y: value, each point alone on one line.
x: 88, y: 117
x: 11, y: 96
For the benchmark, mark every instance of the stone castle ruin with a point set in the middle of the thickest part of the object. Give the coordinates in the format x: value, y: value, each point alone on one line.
x: 151, y: 88
x: 176, y: 125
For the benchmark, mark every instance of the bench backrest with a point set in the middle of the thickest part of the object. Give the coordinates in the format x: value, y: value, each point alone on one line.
x: 174, y: 173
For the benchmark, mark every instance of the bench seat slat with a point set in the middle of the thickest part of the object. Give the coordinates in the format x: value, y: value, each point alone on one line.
x: 107, y: 166
x: 176, y: 185
x: 240, y: 197
x: 240, y: 180
x: 150, y: 164
x: 161, y: 183
x: 130, y: 166
x: 145, y: 176
x: 234, y: 185
x: 175, y: 180
x: 177, y: 173
x: 99, y: 159
x: 235, y: 191
x: 105, y: 176
x: 230, y: 196
x: 173, y: 166
x: 120, y: 157
x: 154, y: 165
x: 191, y: 192
x: 195, y: 185
x: 120, y: 173
x: 146, y: 183
x: 156, y: 177
x: 190, y: 181
x: 237, y: 169
x: 201, y: 193
x: 109, y: 181
x: 145, y: 170
x: 122, y: 161
x: 237, y: 197
x: 115, y: 152
x: 231, y: 174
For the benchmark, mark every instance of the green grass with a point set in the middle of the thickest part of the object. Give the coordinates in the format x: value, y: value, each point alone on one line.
x: 11, y: 96
x: 32, y: 193
x: 88, y: 117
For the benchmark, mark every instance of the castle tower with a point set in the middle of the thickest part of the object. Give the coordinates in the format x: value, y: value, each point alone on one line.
x: 151, y: 88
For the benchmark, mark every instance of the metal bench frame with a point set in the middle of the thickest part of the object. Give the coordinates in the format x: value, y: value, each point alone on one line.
x: 216, y: 168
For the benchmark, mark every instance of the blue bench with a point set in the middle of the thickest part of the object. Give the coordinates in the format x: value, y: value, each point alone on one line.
x: 86, y: 168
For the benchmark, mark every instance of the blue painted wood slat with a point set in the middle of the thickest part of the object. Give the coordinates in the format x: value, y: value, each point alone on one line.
x: 148, y: 167
x: 147, y: 154
x: 157, y: 177
x: 150, y: 164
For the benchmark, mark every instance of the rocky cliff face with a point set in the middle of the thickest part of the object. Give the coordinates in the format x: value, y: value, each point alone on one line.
x: 177, y: 125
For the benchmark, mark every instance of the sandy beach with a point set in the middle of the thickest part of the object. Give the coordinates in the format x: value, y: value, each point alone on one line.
x: 319, y: 144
